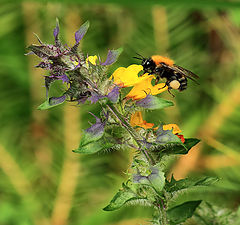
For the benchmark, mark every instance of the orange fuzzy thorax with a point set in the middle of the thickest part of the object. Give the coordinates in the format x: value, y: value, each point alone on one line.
x: 158, y: 59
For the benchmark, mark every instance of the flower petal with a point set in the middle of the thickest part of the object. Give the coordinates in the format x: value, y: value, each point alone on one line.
x: 174, y: 127
x: 95, y: 132
x: 137, y: 120
x: 153, y: 102
x: 56, y: 31
x: 112, y: 56
x: 113, y: 95
x: 81, y: 32
x: 144, y: 88
x: 92, y: 59
x: 128, y: 77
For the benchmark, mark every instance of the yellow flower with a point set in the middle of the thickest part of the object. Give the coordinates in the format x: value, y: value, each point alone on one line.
x: 144, y: 88
x: 92, y: 59
x: 175, y: 127
x: 127, y: 77
x: 137, y: 120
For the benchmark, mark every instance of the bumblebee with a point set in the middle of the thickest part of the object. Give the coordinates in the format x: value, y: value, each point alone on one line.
x: 163, y: 67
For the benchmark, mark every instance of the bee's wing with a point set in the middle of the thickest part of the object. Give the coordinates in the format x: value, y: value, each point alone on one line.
x: 184, y: 72
x: 188, y: 72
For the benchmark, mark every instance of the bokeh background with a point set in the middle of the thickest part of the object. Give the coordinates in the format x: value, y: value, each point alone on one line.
x: 41, y: 181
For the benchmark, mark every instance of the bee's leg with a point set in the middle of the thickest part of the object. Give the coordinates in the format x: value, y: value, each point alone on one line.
x: 161, y: 73
x: 157, y: 80
x: 171, y: 93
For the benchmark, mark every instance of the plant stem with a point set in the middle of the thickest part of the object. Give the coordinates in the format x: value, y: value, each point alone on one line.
x: 131, y: 131
x: 162, y: 213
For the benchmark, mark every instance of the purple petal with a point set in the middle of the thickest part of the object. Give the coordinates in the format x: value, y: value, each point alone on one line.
x: 112, y: 57
x: 81, y: 32
x: 166, y: 136
x: 56, y: 30
x: 82, y: 100
x: 114, y: 94
x: 137, y: 178
x: 97, y: 129
x: 153, y: 102
x: 95, y: 97
x: 146, y: 102
x: 64, y: 78
x: 57, y: 100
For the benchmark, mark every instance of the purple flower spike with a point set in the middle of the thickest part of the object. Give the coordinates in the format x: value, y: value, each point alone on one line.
x: 51, y: 102
x: 64, y: 78
x: 114, y: 94
x: 56, y: 30
x: 112, y: 57
x: 81, y: 32
x: 96, y: 130
x: 95, y: 97
x: 57, y: 100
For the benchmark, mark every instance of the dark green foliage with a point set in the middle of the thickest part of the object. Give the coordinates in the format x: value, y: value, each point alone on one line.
x: 123, y: 196
x: 176, y: 185
x: 182, y: 212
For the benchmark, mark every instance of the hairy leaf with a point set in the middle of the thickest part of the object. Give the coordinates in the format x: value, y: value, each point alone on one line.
x: 182, y: 212
x: 123, y: 196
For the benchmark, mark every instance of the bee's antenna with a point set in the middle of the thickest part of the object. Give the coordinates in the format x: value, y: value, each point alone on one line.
x: 140, y: 55
x: 137, y: 58
x: 171, y: 93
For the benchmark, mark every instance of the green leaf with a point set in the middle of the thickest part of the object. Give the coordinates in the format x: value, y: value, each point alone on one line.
x: 157, y: 181
x: 190, y: 142
x: 176, y: 185
x: 175, y: 147
x: 182, y: 212
x: 123, y: 196
x: 154, y: 102
x: 92, y: 147
x: 185, y: 147
x: 52, y: 102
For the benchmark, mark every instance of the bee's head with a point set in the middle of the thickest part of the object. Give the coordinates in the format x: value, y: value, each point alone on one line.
x: 148, y: 65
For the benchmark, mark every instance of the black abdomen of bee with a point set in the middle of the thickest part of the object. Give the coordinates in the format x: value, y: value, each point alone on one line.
x: 183, y: 83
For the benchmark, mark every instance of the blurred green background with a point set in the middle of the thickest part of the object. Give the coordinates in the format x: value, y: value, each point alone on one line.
x: 41, y: 181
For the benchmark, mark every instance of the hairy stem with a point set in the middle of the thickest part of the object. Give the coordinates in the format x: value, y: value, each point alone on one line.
x: 131, y: 131
x: 162, y: 213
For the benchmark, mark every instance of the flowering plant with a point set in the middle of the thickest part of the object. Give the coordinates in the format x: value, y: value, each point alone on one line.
x: 120, y: 125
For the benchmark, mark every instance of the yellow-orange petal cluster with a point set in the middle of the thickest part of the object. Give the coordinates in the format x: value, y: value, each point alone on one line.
x: 174, y: 127
x: 137, y: 120
x: 127, y: 77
